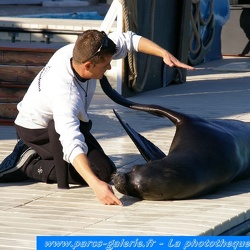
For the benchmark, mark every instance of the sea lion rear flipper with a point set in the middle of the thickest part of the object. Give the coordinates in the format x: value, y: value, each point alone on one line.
x: 156, y: 110
x: 147, y: 149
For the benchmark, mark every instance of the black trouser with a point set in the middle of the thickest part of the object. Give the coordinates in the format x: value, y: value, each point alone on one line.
x: 49, y: 165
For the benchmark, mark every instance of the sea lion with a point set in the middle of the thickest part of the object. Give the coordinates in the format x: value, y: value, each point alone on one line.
x: 204, y: 155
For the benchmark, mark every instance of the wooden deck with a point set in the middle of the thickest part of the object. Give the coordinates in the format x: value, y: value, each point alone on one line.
x: 31, y: 209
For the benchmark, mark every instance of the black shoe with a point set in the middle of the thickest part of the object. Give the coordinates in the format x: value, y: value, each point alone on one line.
x: 16, y: 159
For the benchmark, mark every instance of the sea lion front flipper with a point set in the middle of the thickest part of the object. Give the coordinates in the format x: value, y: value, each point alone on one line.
x: 148, y: 150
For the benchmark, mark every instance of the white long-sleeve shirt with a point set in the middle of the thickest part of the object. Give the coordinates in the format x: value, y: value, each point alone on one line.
x: 57, y: 94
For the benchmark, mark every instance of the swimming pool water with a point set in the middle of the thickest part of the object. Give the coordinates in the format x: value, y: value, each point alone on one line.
x: 76, y: 15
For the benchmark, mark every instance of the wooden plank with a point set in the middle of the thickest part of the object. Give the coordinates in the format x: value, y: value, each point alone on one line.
x: 11, y: 85
x: 27, y: 46
x: 8, y: 111
x: 12, y: 94
x: 18, y: 74
x: 18, y: 67
x: 6, y: 122
x: 24, y: 57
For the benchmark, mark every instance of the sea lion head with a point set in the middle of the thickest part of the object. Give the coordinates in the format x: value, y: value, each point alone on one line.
x: 148, y: 181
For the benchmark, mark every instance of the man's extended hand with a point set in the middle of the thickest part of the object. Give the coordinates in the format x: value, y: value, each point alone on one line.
x: 105, y: 194
x: 171, y: 61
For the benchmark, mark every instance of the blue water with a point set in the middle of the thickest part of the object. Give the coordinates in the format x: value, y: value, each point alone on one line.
x: 76, y: 15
